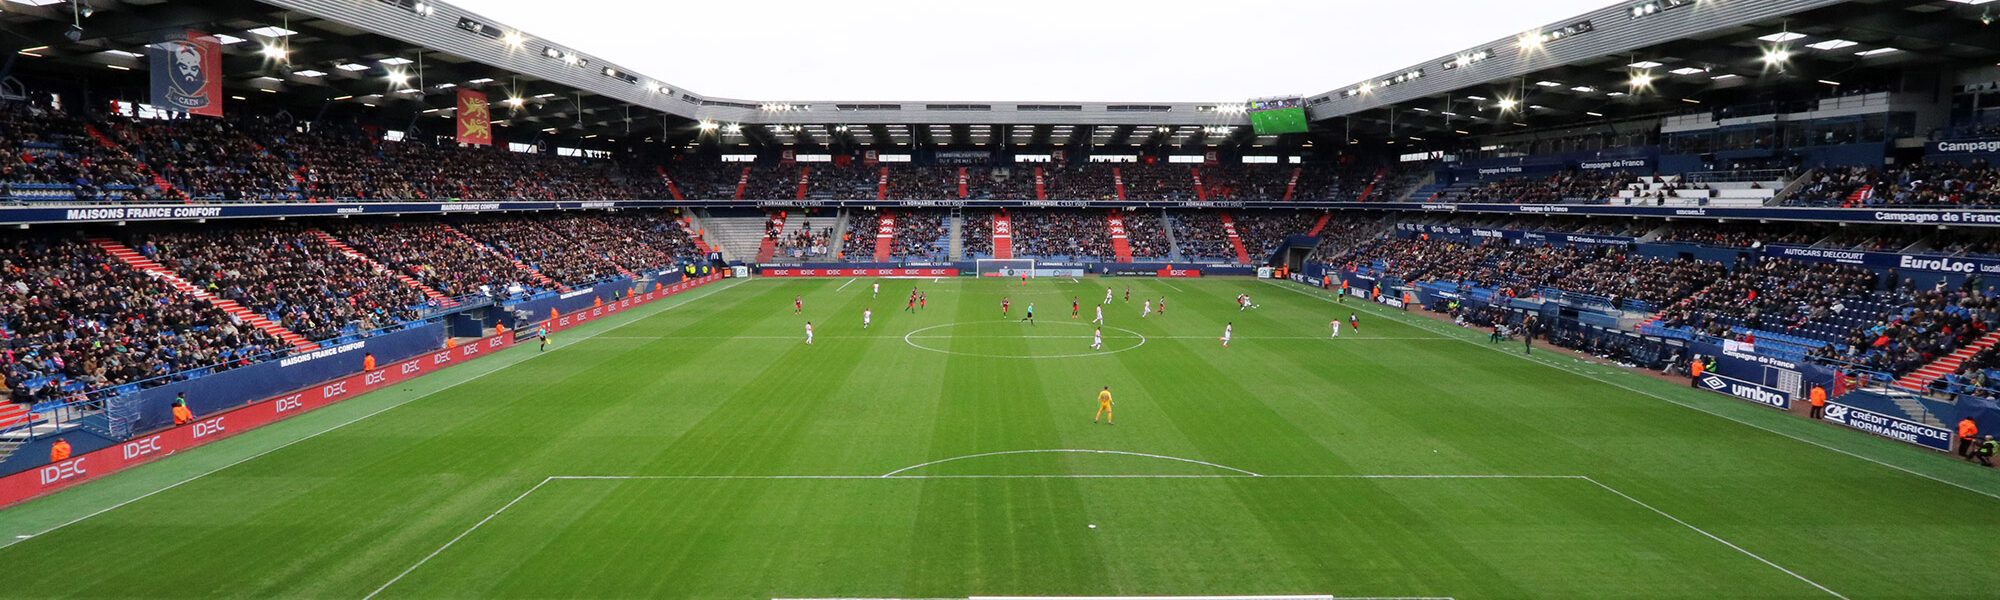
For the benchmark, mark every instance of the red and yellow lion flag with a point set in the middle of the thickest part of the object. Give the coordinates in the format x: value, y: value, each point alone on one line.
x: 475, y: 122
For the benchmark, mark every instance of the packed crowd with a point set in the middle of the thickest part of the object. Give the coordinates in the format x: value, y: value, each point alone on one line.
x: 976, y: 233
x: 1933, y: 324
x: 1156, y: 181
x: 924, y: 183
x: 285, y: 273
x: 564, y: 260
x: 1200, y: 236
x: 1589, y: 186
x: 74, y: 320
x: 1257, y: 183
x: 1261, y: 232
x: 920, y: 234
x: 1923, y: 185
x: 851, y: 182
x: 434, y: 255
x: 41, y: 146
x: 1771, y: 295
x: 1077, y: 234
x: 209, y: 159
x: 1146, y: 234
x: 860, y: 239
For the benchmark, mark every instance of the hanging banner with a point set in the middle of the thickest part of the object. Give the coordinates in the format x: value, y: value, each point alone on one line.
x: 187, y: 73
x: 475, y: 121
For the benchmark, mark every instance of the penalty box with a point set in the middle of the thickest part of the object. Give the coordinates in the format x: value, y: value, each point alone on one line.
x: 1083, y: 535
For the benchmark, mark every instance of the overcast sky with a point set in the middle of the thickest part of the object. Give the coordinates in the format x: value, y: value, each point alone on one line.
x: 1020, y: 50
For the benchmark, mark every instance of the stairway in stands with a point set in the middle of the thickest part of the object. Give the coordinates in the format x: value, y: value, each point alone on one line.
x: 885, y: 237
x: 694, y: 232
x: 1663, y: 310
x: 1861, y: 195
x: 158, y: 181
x: 12, y: 414
x: 1916, y: 380
x: 768, y: 245
x: 1377, y: 180
x: 146, y: 265
x: 531, y: 271
x: 1121, y: 246
x: 1229, y: 229
x: 1003, y: 235
x: 433, y: 294
x: 1320, y: 225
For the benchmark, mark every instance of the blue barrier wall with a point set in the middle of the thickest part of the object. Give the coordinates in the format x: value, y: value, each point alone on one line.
x: 35, y: 453
x: 153, y: 408
x: 573, y: 300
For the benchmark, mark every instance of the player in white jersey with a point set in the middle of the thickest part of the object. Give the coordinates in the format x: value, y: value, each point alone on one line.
x: 874, y: 289
x: 1149, y: 310
x: 809, y: 333
x: 1227, y: 328
x: 1107, y: 295
x: 1097, y: 339
x: 1336, y: 327
x: 866, y: 316
x: 1100, y: 315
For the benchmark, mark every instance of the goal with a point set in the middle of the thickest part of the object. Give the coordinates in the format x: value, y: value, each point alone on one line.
x: 1006, y: 267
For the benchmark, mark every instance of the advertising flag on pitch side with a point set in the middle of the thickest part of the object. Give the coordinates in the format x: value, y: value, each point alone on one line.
x: 475, y: 121
x: 187, y: 73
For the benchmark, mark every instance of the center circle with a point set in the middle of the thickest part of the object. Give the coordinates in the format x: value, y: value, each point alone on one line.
x: 914, y: 340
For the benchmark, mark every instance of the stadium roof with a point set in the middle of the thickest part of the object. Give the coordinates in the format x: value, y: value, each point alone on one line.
x: 1687, y: 52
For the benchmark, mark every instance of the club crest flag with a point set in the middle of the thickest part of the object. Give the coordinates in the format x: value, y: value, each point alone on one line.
x: 475, y: 120
x: 187, y: 73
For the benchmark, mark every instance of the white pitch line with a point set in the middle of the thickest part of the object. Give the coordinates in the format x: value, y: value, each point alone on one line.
x: 349, y: 422
x: 1714, y: 537
x: 843, y: 286
x: 1071, y: 451
x: 1052, y: 476
x: 1171, y: 285
x: 461, y: 535
x: 1031, y: 337
x: 1694, y: 408
x: 1290, y: 597
x: 1241, y: 474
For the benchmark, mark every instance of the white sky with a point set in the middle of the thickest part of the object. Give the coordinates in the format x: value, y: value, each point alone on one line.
x: 1020, y: 50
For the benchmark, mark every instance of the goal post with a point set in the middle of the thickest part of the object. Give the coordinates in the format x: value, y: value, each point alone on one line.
x: 1005, y: 267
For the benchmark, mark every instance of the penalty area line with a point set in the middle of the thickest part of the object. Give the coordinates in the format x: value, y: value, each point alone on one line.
x: 461, y: 535
x: 1714, y: 537
x: 843, y: 286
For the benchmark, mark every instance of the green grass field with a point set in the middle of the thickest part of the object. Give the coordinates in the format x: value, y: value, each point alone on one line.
x: 697, y: 448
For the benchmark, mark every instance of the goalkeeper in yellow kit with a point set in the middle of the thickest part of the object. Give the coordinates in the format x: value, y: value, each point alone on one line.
x: 1104, y: 406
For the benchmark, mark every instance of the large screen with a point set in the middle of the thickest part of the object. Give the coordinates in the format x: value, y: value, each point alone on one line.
x: 1279, y: 115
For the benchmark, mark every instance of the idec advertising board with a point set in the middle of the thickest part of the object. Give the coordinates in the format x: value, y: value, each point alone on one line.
x: 859, y: 272
x: 57, y: 476
x: 1172, y: 272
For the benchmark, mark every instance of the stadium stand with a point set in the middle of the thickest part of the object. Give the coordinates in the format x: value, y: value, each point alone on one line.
x: 1199, y: 236
x: 1061, y: 234
x: 77, y: 321
x: 920, y: 234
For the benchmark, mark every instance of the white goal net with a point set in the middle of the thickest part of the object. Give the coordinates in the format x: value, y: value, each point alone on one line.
x: 1006, y: 267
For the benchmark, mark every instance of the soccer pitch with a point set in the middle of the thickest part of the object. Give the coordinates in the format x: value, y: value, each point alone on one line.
x: 698, y: 447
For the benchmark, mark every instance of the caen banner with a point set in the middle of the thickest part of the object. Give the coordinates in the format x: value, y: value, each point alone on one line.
x: 187, y: 73
x: 475, y: 122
